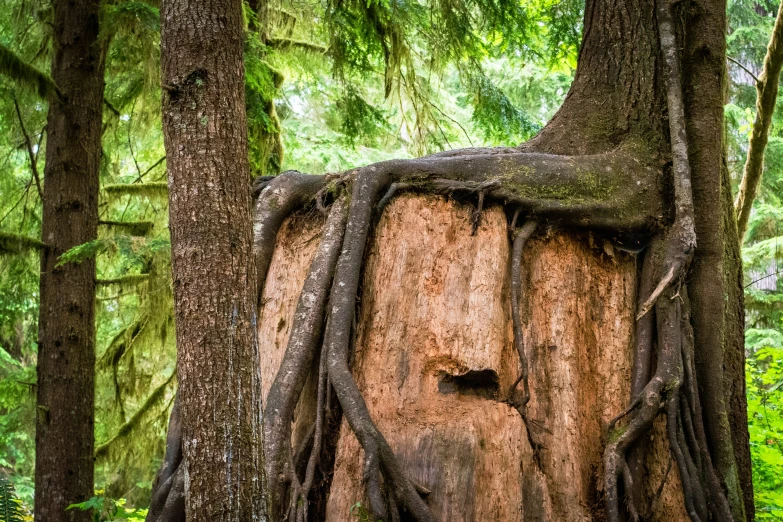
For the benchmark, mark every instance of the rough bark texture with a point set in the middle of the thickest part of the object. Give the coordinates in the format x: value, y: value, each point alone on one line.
x: 766, y: 96
x: 715, y: 283
x: 66, y: 337
x: 218, y: 362
x: 435, y: 358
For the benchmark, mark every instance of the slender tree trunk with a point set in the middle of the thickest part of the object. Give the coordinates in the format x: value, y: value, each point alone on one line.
x: 766, y: 96
x: 66, y: 339
x: 715, y: 284
x: 205, y: 133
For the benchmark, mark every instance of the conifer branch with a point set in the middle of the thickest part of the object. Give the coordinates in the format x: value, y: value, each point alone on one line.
x: 124, y: 281
x: 18, y: 70
x: 102, y: 450
x: 286, y: 43
x: 155, y: 188
x: 133, y: 228
x: 11, y: 244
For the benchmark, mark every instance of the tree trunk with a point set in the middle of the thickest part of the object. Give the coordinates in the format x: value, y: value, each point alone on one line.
x: 432, y: 347
x: 66, y: 338
x: 218, y: 362
x: 766, y: 96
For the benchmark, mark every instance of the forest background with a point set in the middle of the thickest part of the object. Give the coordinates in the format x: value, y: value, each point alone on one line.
x: 320, y: 98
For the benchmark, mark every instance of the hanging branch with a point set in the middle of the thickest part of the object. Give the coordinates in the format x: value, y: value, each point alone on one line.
x: 18, y: 70
x: 30, y: 152
x: 767, y: 94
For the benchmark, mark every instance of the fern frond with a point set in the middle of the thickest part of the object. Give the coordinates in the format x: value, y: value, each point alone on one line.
x: 10, y: 505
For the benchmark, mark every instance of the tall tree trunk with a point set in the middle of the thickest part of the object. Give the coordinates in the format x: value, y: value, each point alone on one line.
x: 205, y: 131
x: 715, y: 284
x: 66, y: 338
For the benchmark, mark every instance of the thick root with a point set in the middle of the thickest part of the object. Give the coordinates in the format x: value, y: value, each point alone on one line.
x: 379, y: 457
x: 516, y: 398
x: 299, y: 355
x: 168, y: 490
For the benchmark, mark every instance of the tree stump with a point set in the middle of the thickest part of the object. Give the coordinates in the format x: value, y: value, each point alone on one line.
x: 434, y: 359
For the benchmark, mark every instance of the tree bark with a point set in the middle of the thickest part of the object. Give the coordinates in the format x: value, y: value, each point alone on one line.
x: 205, y: 131
x: 66, y: 338
x: 766, y: 96
x: 715, y: 283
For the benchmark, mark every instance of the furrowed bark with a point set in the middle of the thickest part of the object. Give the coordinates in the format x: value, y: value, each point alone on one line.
x: 766, y: 96
x: 66, y: 336
x: 218, y: 357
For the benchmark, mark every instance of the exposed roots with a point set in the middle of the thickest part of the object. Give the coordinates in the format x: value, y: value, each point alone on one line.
x: 380, y: 460
x: 518, y: 399
x: 297, y: 361
x: 672, y: 388
x: 168, y: 491
x: 546, y: 187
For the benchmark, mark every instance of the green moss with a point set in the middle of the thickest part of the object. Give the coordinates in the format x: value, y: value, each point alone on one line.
x: 150, y: 190
x: 616, y: 433
x: 11, y: 244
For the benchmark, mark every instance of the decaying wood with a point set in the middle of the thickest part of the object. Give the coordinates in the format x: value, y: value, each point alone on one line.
x: 435, y: 356
x: 421, y: 343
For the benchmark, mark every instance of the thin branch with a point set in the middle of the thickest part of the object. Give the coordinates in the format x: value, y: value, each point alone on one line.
x: 767, y: 94
x: 103, y: 449
x: 114, y: 110
x: 134, y: 228
x: 30, y: 152
x: 141, y: 176
x: 130, y: 141
x: 739, y: 64
x: 762, y: 278
x: 286, y: 43
x: 127, y: 280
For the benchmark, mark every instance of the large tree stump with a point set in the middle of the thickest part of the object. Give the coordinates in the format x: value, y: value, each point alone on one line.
x: 434, y: 359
